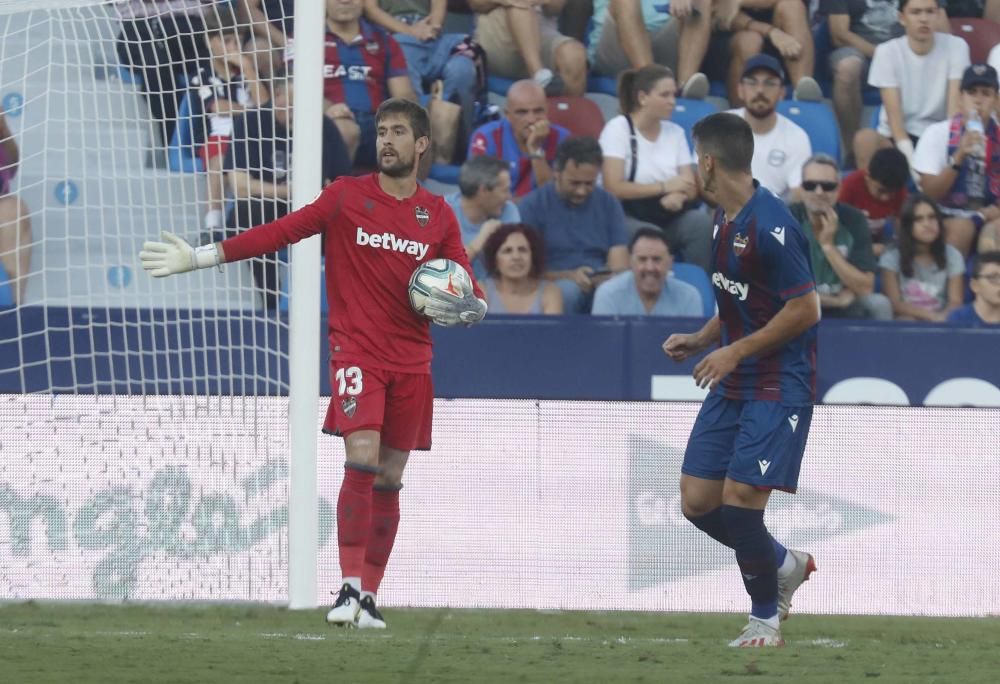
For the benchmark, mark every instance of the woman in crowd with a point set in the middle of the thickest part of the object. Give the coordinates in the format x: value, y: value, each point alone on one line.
x: 923, y: 275
x: 649, y: 167
x: 515, y: 260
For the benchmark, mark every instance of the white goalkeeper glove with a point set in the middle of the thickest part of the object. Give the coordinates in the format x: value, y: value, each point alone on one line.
x: 448, y: 310
x: 174, y: 255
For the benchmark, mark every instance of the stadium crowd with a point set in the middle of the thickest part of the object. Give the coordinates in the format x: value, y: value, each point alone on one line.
x: 592, y: 216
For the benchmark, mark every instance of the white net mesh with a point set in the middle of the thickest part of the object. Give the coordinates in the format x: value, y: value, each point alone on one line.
x: 104, y: 130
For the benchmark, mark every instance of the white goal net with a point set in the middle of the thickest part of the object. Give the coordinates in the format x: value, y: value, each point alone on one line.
x: 142, y: 421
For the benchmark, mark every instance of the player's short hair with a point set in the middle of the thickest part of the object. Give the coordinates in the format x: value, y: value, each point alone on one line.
x: 631, y: 82
x: 500, y: 235
x: 822, y: 158
x: 220, y: 20
x: 650, y: 233
x: 727, y: 138
x: 580, y: 150
x: 889, y: 167
x: 414, y: 114
x: 904, y: 3
x: 983, y: 259
x: 480, y: 172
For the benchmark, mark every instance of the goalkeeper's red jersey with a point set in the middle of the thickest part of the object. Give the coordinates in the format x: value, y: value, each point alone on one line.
x: 373, y: 243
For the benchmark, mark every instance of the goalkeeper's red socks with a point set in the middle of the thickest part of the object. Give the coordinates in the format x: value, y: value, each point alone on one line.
x: 381, y: 536
x: 354, y: 517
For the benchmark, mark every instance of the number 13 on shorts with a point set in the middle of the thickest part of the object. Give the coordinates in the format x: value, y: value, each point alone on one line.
x: 349, y: 381
x: 398, y: 405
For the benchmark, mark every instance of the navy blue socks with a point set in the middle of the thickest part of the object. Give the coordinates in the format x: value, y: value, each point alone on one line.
x: 755, y: 554
x: 714, y: 526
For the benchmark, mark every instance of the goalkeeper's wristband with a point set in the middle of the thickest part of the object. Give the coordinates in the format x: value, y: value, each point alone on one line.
x: 206, y: 256
x: 473, y: 317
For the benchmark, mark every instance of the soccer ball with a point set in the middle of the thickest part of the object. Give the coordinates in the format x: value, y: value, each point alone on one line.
x: 442, y: 274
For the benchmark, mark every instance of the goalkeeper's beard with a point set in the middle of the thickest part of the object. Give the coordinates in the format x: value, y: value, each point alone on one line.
x: 397, y: 168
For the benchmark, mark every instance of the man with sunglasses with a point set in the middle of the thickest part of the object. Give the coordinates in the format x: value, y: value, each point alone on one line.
x: 780, y: 146
x: 840, y: 245
x: 985, y: 284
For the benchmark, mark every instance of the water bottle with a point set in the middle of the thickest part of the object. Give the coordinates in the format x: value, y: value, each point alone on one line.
x: 975, y: 180
x: 975, y: 124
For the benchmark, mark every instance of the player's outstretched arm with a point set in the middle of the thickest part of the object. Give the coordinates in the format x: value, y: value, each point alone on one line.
x: 174, y: 255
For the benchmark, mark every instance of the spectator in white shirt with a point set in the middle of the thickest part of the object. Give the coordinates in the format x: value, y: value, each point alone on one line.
x: 857, y: 27
x: 648, y: 164
x: 780, y: 146
x: 918, y: 76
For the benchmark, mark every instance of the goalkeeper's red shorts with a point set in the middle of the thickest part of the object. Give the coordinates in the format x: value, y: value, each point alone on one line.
x: 399, y: 406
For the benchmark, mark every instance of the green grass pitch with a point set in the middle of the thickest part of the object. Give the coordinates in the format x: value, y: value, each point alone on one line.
x: 220, y: 644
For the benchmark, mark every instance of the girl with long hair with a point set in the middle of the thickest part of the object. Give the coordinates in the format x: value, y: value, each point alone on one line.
x: 923, y: 275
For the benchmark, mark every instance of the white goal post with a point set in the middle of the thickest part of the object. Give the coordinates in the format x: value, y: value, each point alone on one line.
x: 198, y: 355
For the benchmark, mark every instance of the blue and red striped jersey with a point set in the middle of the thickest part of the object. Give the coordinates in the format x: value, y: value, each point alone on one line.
x: 760, y: 261
x: 496, y: 139
x: 357, y: 73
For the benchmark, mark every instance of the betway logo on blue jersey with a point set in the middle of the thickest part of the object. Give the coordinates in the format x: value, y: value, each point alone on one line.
x: 741, y: 290
x: 391, y: 242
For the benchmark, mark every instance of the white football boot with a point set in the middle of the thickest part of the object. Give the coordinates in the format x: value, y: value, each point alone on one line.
x: 758, y: 634
x: 805, y: 565
x: 345, y: 609
x: 369, y: 617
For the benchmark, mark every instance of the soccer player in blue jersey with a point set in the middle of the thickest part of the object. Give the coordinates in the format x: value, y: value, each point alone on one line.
x: 750, y: 434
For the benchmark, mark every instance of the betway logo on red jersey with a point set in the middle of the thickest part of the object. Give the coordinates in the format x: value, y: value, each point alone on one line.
x: 391, y: 242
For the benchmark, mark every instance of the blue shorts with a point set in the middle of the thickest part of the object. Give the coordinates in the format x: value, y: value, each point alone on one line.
x: 759, y: 443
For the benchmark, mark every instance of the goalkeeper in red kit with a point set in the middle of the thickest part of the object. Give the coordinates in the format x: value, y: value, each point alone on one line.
x: 378, y: 228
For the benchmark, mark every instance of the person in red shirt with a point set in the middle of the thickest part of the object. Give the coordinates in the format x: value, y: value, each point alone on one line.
x: 878, y: 193
x: 378, y: 228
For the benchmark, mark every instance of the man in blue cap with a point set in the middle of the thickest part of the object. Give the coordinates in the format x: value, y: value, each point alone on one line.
x: 958, y: 160
x: 781, y: 147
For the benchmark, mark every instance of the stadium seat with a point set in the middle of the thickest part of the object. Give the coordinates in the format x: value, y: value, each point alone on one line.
x: 980, y: 34
x: 6, y: 293
x: 822, y: 47
x: 126, y: 75
x: 181, y: 156
x: 283, y: 283
x: 607, y: 85
x: 578, y: 115
x: 498, y: 85
x: 445, y: 173
x: 819, y: 123
x: 718, y: 90
x: 689, y: 112
x: 695, y: 275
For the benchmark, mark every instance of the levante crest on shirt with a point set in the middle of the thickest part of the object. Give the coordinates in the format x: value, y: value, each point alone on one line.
x: 423, y: 216
x: 740, y: 243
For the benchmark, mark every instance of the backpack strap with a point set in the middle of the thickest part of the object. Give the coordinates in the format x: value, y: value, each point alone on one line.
x: 634, y: 145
